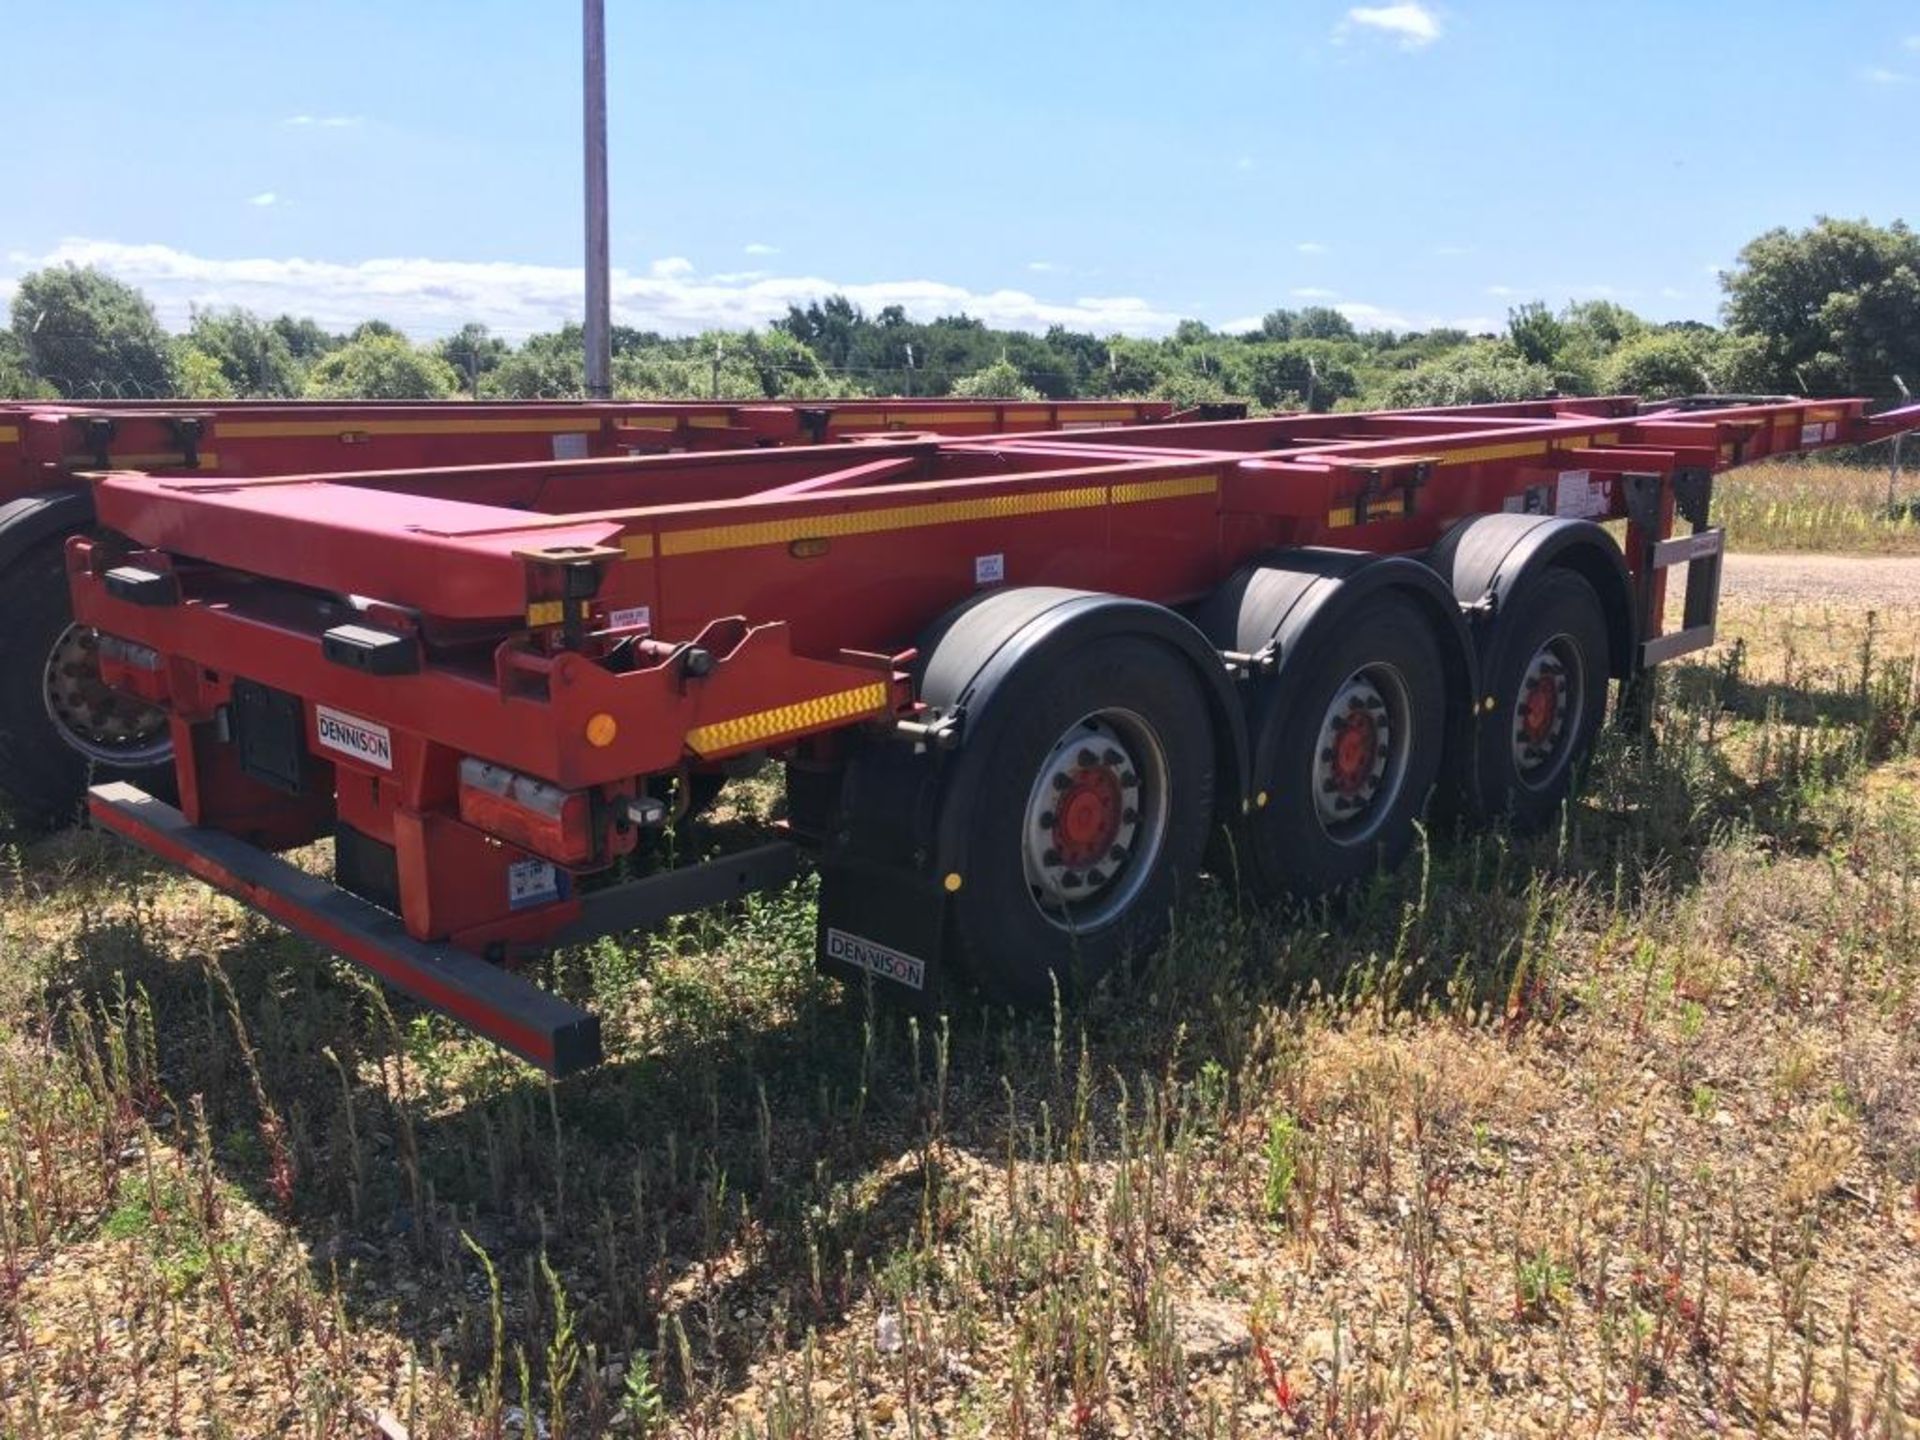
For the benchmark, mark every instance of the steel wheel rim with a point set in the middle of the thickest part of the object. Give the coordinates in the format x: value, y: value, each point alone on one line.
x: 1548, y: 707
x: 1102, y: 787
x: 105, y: 726
x: 1360, y: 754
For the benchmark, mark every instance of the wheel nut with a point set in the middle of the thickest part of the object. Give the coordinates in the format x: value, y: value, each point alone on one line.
x: 1046, y: 820
x: 1070, y: 880
x: 1086, y: 759
x: 1117, y: 854
x: 1061, y: 782
x: 1128, y: 780
x: 1095, y: 877
x: 1130, y: 815
x: 1052, y: 857
x: 1112, y: 757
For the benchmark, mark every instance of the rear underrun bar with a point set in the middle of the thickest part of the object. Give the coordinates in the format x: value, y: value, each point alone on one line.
x: 514, y: 1013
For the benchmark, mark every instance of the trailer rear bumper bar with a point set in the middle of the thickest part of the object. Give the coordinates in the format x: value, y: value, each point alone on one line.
x: 512, y: 1012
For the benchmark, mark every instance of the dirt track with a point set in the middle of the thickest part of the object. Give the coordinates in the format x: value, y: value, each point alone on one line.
x: 1822, y: 579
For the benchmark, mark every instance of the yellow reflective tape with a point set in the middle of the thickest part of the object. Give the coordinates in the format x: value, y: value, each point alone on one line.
x: 546, y: 612
x: 710, y: 422
x: 744, y: 730
x: 1342, y: 515
x: 900, y: 419
x: 1786, y: 422
x: 637, y: 547
x: 867, y: 522
x: 649, y: 422
x: 1471, y: 456
x: 1174, y: 489
x: 1074, y: 414
x: 9, y: 434
x: 291, y: 429
x: 1584, y: 442
x: 1822, y: 415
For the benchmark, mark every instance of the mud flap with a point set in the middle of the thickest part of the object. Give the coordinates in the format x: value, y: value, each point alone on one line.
x: 883, y: 911
x: 882, y: 926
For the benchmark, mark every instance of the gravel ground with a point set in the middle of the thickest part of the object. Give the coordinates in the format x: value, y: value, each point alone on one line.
x: 1817, y: 579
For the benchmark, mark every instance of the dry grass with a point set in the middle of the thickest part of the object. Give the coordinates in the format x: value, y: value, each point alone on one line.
x: 1613, y: 1132
x: 1811, y: 506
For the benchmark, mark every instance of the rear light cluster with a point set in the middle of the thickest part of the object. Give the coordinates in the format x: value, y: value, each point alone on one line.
x: 530, y: 813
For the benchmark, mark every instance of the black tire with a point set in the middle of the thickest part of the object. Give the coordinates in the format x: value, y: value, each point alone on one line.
x: 1556, y: 613
x: 1010, y: 940
x: 43, y: 779
x: 1289, y: 849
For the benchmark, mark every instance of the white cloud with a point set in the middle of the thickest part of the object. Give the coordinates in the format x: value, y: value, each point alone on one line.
x: 1380, y: 317
x: 671, y: 268
x: 1313, y: 292
x: 1880, y: 75
x: 1311, y: 247
x: 1412, y: 23
x: 323, y: 122
x: 1452, y: 250
x: 1672, y: 292
x: 427, y: 297
x: 1501, y: 292
x: 757, y: 248
x: 1240, y: 326
x: 1245, y: 162
x: 1042, y: 267
x: 264, y: 199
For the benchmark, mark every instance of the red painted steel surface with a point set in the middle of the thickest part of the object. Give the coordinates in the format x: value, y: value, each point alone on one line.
x: 41, y: 442
x: 799, y: 576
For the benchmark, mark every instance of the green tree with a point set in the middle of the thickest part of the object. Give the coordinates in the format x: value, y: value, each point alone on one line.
x: 1131, y: 367
x: 304, y: 338
x: 1660, y: 364
x: 550, y: 366
x: 380, y: 367
x: 1477, y: 374
x: 91, y: 336
x: 1599, y: 326
x: 1836, y: 306
x: 199, y: 375
x: 1301, y: 374
x: 473, y: 351
x: 1319, y: 322
x: 16, y: 381
x: 998, y: 381
x: 1536, y: 336
x: 253, y: 356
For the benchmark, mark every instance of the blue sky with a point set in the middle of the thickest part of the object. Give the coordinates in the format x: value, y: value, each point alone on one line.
x: 1110, y: 166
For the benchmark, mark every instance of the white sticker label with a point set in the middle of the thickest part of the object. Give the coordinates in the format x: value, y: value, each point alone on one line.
x: 989, y: 569
x: 353, y: 737
x: 1833, y: 430
x: 876, y: 959
x: 570, y: 445
x: 1577, y: 494
x: 637, y: 617
x: 1812, y: 434
x: 531, y: 882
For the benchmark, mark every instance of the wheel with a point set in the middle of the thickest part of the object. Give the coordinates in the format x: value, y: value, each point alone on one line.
x: 1088, y: 812
x: 61, y: 729
x: 1351, y: 749
x: 1548, y: 684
